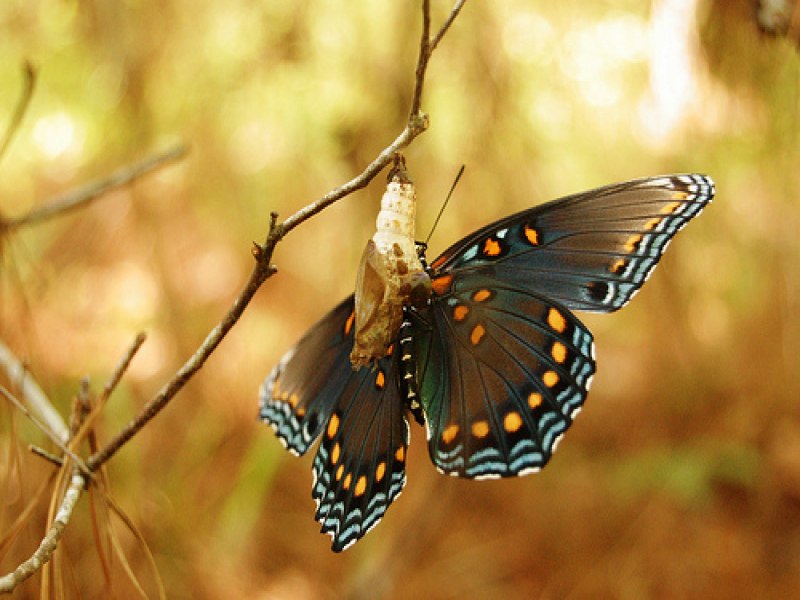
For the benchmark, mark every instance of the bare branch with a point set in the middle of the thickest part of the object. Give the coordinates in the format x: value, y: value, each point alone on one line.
x: 355, y: 184
x: 49, y: 543
x: 260, y: 272
x: 94, y: 190
x: 427, y: 45
x: 21, y: 108
x: 422, y: 60
x: 122, y: 366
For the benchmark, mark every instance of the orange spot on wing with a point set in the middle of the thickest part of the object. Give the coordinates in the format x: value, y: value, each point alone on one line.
x: 333, y: 425
x: 481, y: 295
x: 617, y: 266
x: 380, y: 380
x: 361, y: 486
x: 460, y: 312
x: 335, y: 453
x: 348, y: 479
x: 550, y: 378
x: 294, y: 400
x: 477, y: 334
x: 534, y: 400
x: 633, y: 242
x: 400, y: 454
x: 531, y: 235
x: 301, y: 412
x: 390, y: 350
x: 556, y: 320
x: 348, y: 325
x: 339, y: 472
x: 670, y: 208
x: 380, y: 471
x: 450, y: 433
x: 439, y: 262
x: 491, y: 247
x: 480, y: 429
x: 441, y: 285
x: 512, y: 422
x: 652, y: 224
x: 679, y: 195
x: 559, y: 352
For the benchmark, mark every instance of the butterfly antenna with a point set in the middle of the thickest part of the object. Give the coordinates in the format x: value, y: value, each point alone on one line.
x: 444, y: 204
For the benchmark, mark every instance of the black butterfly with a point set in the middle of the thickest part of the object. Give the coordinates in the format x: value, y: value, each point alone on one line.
x: 499, y: 362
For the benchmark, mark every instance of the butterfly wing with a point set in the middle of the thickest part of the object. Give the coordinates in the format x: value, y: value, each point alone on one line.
x: 359, y: 468
x: 502, y: 373
x: 502, y: 364
x: 590, y: 251
x: 298, y: 397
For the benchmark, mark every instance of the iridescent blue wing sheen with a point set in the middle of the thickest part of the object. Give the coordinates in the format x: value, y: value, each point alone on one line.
x: 501, y: 363
x: 590, y: 251
x: 313, y: 392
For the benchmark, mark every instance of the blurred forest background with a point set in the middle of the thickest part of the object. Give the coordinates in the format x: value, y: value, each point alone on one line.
x: 680, y: 478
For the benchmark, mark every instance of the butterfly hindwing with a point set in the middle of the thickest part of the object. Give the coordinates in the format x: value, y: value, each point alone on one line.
x: 502, y: 373
x: 590, y: 251
x: 359, y: 468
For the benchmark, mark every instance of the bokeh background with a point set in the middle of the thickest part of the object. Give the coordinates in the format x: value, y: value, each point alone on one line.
x: 681, y: 477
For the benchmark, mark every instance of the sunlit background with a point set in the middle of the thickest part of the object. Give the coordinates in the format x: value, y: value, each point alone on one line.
x: 681, y: 477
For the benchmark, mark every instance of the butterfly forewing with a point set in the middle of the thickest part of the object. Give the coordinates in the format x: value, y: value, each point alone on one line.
x: 503, y: 372
x: 591, y: 251
x: 298, y: 397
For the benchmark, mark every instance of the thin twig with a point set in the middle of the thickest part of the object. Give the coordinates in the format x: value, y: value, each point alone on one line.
x: 260, y: 272
x: 94, y: 190
x: 426, y: 47
x: 422, y: 60
x: 355, y: 184
x: 447, y: 23
x: 21, y: 108
x: 122, y: 367
x: 49, y: 543
x: 42, y: 453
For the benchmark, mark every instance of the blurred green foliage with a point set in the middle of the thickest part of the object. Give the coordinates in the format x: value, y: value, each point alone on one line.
x: 681, y: 478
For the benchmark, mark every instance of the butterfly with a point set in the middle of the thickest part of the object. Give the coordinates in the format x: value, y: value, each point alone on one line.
x: 494, y: 362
